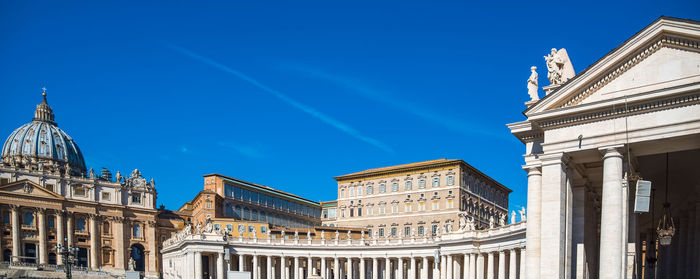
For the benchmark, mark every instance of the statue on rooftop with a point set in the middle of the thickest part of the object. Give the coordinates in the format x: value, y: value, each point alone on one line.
x: 532, y: 85
x: 522, y: 214
x: 512, y: 217
x: 559, y: 67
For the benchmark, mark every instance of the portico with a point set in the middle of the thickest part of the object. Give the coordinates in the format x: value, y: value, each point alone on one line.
x: 589, y: 141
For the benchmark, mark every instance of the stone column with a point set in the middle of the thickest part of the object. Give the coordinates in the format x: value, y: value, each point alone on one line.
x: 512, y: 265
x: 152, y: 246
x: 501, y: 264
x: 363, y: 271
x: 94, y: 242
x: 472, y: 266
x: 424, y: 269
x: 534, y: 221
x: 412, y: 269
x: 269, y: 268
x: 348, y: 271
x: 523, y: 263
x: 198, y: 265
x: 399, y: 269
x: 375, y: 269
x: 456, y: 268
x: 324, y: 269
x: 256, y: 271
x: 387, y: 268
x: 241, y: 262
x: 16, y: 252
x: 283, y: 268
x: 611, y: 216
x: 480, y: 266
x: 60, y: 235
x: 466, y: 269
x: 336, y: 268
x: 443, y: 267
x: 436, y: 267
x: 119, y: 249
x: 689, y: 263
x: 449, y: 267
x: 309, y: 266
x: 70, y: 228
x: 220, y: 266
x: 41, y: 227
x: 296, y: 267
x: 553, y: 256
x: 490, y: 271
x: 697, y: 238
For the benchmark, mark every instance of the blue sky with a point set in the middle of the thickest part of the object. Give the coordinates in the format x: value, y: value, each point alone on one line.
x: 290, y: 94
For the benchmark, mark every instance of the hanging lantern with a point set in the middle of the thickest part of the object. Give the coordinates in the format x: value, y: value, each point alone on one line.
x: 666, y: 229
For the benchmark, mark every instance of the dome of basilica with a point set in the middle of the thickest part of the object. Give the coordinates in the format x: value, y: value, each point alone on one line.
x: 41, y: 146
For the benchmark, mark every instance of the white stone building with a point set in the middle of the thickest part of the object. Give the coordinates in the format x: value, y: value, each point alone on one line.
x: 632, y: 115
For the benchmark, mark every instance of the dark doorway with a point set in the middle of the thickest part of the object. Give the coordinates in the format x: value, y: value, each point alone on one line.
x: 82, y: 257
x: 52, y: 258
x: 205, y: 266
x: 7, y: 255
x: 30, y: 253
x: 138, y: 255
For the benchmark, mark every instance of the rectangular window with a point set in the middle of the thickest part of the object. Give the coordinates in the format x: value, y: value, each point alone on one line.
x: 421, y: 184
x: 241, y: 228
x: 436, y: 181
x: 382, y: 209
x: 408, y: 185
x: 359, y: 211
x: 5, y: 217
x: 381, y: 232
x: 324, y: 213
x: 79, y: 192
x: 450, y: 204
x: 407, y: 231
x: 106, y: 196
x: 251, y: 228
x: 393, y: 231
x: 450, y: 180
x: 342, y: 213
x: 228, y: 190
x: 229, y: 227
x: 359, y: 191
x: 50, y: 187
x: 263, y: 229
x: 370, y: 190
x: 136, y: 198
x: 333, y: 213
x: 52, y: 223
x: 408, y: 207
x: 370, y: 210
x: 434, y: 229
x: 436, y: 205
x: 394, y: 187
x: 421, y: 230
x: 352, y: 191
x: 382, y: 188
x: 352, y: 212
x: 394, y: 208
x: 217, y: 227
x: 421, y: 206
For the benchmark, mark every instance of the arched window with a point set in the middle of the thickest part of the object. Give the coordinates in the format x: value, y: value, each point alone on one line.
x: 81, y: 224
x: 137, y: 231
x: 370, y: 190
x: 29, y: 219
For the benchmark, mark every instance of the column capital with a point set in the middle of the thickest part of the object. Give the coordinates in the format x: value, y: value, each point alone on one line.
x: 533, y: 169
x: 555, y: 158
x: 612, y: 150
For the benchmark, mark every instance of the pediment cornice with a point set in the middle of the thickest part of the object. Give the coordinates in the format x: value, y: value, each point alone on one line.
x: 662, y: 33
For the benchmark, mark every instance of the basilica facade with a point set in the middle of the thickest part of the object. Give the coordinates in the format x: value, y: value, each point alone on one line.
x: 48, y: 197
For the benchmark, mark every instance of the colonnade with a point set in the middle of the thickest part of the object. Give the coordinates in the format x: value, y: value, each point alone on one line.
x: 497, y: 264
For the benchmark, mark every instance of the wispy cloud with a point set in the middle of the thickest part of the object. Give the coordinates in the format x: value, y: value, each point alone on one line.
x: 386, y: 98
x: 245, y: 150
x: 284, y: 98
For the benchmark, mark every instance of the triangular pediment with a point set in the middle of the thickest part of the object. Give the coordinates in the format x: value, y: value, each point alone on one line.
x: 666, y: 54
x: 27, y: 187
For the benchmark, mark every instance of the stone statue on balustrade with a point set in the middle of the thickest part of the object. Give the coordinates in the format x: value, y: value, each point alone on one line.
x: 462, y: 222
x: 308, y: 235
x: 492, y: 222
x: 470, y: 224
x: 532, y: 85
x: 512, y: 217
x: 522, y: 214
x: 502, y: 220
x: 348, y: 234
x: 362, y: 235
x: 323, y: 236
x: 337, y: 235
x: 132, y: 263
x: 559, y: 67
x: 296, y: 234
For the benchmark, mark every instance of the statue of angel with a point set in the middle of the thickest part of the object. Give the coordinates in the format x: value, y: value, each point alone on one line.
x: 522, y: 214
x: 512, y: 217
x: 559, y: 67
